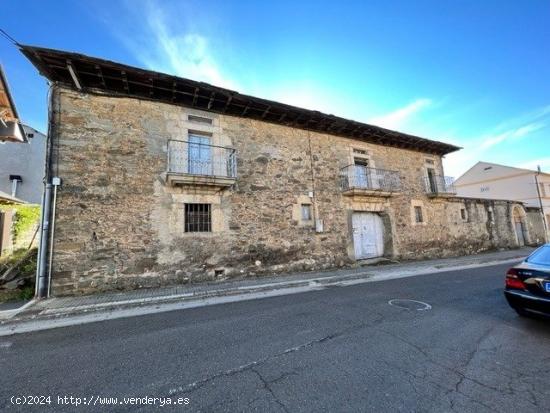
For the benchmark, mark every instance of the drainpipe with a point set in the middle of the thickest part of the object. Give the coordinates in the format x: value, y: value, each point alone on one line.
x: 545, y: 224
x: 41, y: 223
x: 41, y: 275
x: 55, y: 183
x: 42, y: 271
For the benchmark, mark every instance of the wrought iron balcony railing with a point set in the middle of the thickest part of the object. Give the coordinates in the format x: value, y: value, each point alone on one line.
x: 369, y: 179
x: 200, y: 159
x: 439, y: 185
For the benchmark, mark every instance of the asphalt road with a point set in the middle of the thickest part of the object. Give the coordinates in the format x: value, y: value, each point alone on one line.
x: 340, y: 349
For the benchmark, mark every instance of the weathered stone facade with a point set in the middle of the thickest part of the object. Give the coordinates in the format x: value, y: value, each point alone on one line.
x: 120, y: 225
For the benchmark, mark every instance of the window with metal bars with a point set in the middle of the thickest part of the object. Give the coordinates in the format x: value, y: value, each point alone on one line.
x: 198, y: 218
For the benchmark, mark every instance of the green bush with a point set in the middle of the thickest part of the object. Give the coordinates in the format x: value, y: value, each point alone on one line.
x: 25, y: 218
x: 26, y: 268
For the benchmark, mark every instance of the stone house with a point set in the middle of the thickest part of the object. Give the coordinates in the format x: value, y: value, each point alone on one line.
x: 166, y: 180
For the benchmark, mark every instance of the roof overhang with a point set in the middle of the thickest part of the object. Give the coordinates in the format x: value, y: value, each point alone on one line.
x: 93, y: 75
x: 11, y: 128
x: 6, y: 199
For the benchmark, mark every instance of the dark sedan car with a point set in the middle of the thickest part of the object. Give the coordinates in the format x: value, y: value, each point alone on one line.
x: 528, y: 284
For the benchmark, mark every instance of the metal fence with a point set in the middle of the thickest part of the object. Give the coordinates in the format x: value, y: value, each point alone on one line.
x: 438, y: 184
x: 195, y: 158
x: 363, y: 177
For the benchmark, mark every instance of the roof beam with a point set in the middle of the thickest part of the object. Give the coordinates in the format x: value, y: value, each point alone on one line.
x: 245, y: 109
x: 152, y: 91
x: 174, y: 84
x: 229, y: 99
x: 296, y: 119
x: 211, y: 100
x: 266, y: 111
x: 100, y: 75
x: 195, y: 96
x: 73, y: 74
x: 125, y: 81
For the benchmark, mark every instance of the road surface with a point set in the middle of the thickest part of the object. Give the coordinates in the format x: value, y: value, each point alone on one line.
x: 340, y: 349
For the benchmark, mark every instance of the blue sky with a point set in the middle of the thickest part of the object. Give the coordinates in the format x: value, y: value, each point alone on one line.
x: 473, y: 73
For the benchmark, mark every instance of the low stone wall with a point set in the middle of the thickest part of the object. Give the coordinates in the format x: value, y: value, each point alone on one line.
x: 535, y: 225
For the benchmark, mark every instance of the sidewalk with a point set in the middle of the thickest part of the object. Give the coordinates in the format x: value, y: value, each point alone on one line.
x: 63, y: 311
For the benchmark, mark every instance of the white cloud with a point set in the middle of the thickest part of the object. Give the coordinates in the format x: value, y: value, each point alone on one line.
x: 164, y: 46
x: 399, y: 117
x: 544, y: 164
x: 514, y: 133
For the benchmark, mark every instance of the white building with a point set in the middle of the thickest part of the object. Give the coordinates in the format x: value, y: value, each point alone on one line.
x: 493, y: 181
x: 22, y: 166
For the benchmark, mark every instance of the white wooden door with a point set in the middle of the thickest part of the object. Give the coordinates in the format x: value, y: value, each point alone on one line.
x: 368, y: 235
x: 519, y: 233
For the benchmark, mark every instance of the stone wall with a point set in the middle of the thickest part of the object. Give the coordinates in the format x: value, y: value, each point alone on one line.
x: 535, y: 225
x: 119, y: 225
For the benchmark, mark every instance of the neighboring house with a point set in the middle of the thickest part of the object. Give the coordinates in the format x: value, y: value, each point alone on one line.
x: 22, y: 166
x: 166, y: 180
x: 493, y: 181
x: 10, y: 124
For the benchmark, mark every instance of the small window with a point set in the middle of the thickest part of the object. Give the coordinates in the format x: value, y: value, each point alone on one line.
x: 430, y: 162
x: 490, y: 216
x: 360, y: 151
x: 306, y: 212
x: 487, y: 168
x: 463, y: 214
x: 199, y: 119
x: 418, y: 214
x: 198, y: 218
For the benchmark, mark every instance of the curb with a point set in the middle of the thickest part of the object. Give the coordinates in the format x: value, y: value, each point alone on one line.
x: 69, y: 316
x: 7, y: 314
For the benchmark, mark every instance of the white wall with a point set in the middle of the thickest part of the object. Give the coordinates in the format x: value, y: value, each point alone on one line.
x: 26, y: 160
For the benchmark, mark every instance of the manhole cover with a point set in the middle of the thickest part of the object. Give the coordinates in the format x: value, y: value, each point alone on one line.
x: 412, y: 305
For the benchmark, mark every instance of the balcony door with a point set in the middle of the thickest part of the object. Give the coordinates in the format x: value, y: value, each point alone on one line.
x: 199, y: 155
x: 432, y: 185
x: 361, y: 173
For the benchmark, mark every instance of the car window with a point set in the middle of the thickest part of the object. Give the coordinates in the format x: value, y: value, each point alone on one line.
x: 540, y: 256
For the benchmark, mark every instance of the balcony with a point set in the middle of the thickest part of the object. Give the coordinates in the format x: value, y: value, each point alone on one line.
x: 364, y: 181
x: 200, y: 164
x: 439, y: 186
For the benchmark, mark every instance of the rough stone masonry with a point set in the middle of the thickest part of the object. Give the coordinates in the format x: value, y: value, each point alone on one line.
x: 120, y: 225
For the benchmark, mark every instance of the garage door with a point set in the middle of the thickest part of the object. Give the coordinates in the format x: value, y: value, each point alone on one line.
x: 368, y: 235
